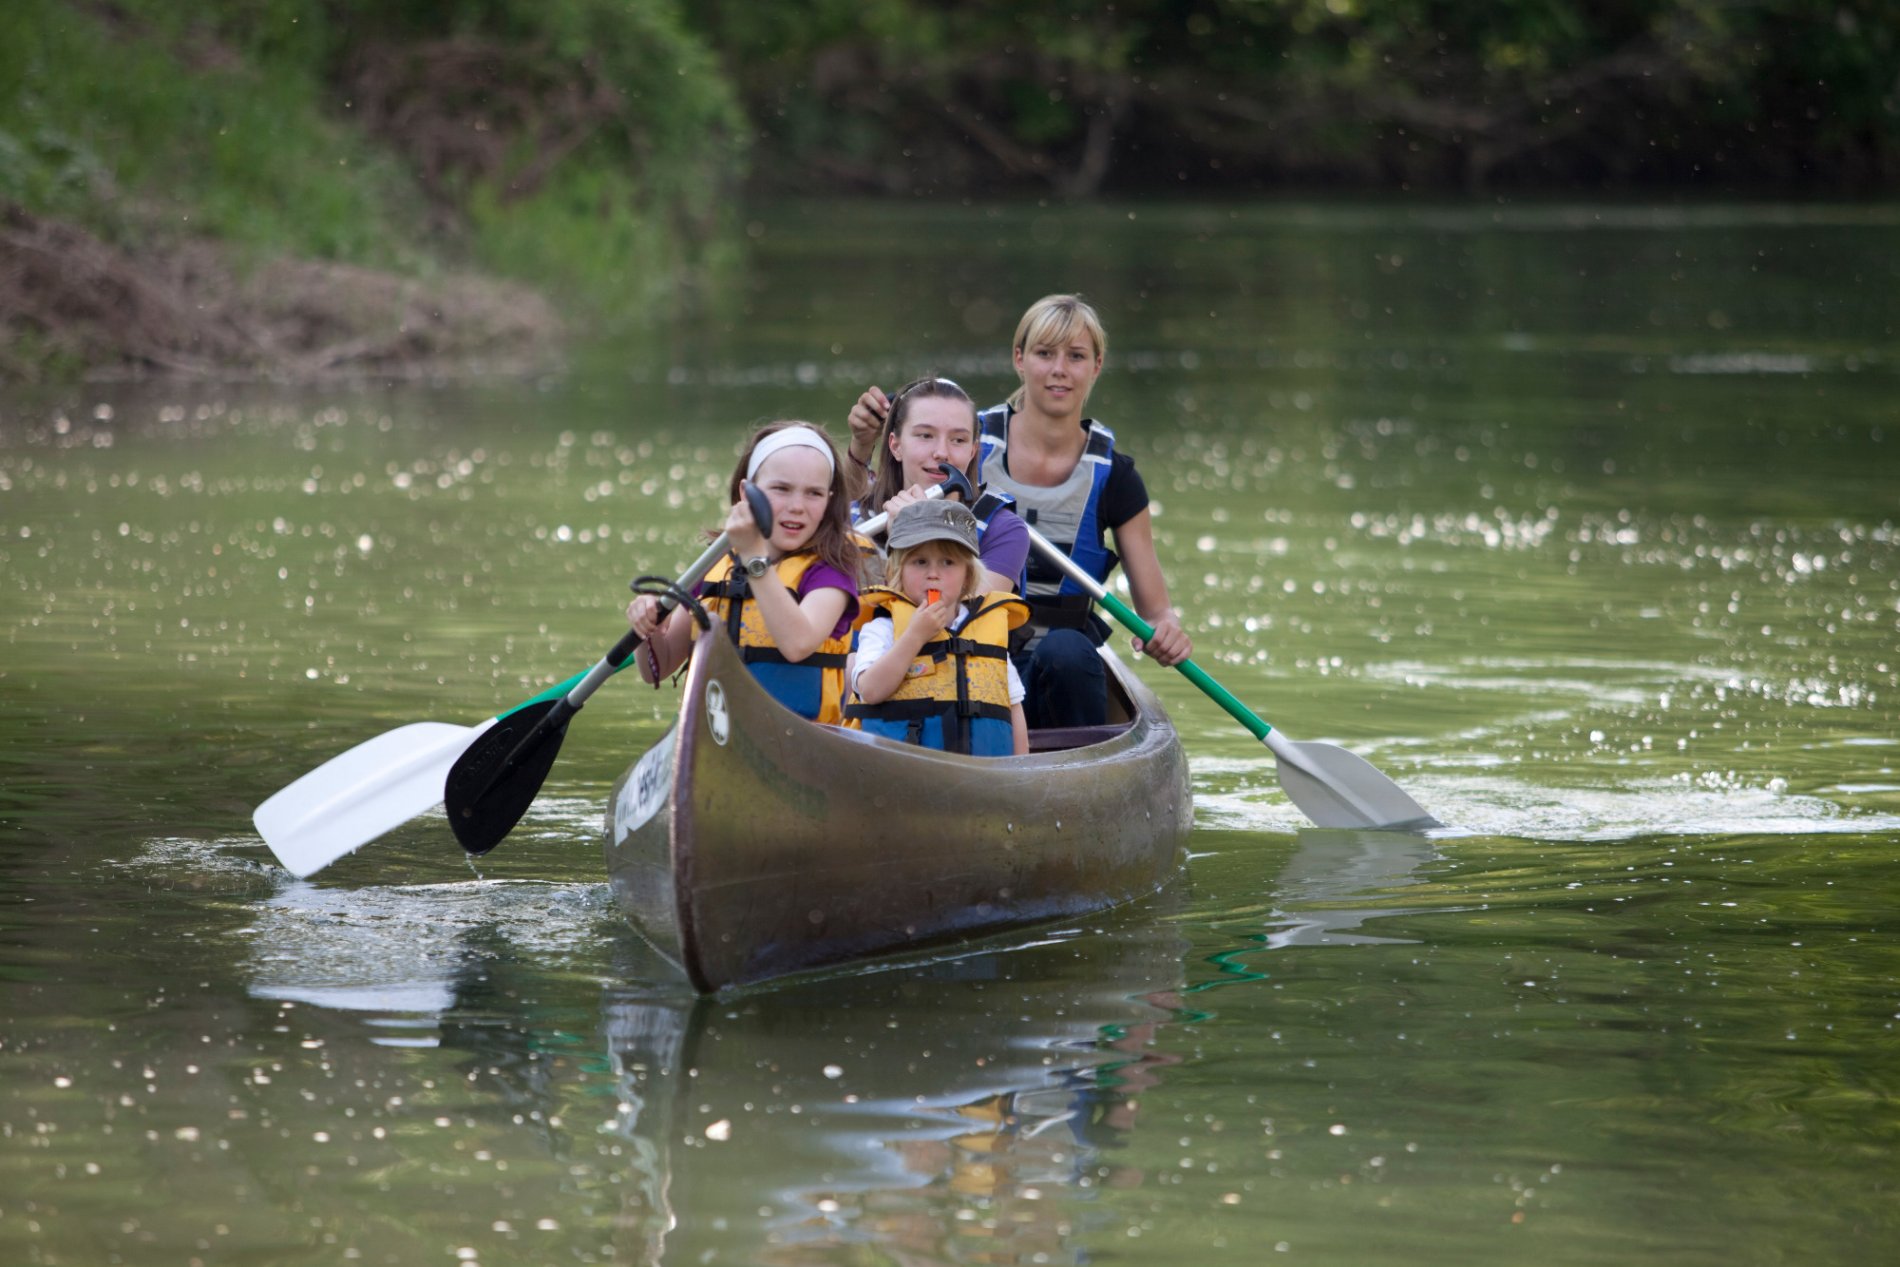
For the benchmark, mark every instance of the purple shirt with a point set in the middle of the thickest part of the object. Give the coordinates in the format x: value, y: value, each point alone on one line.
x: 1005, y: 545
x: 823, y: 576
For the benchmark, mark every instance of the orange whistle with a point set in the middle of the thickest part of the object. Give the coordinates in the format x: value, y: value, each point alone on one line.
x: 935, y: 596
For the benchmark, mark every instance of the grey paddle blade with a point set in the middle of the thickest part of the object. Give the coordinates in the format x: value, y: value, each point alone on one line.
x: 1336, y: 788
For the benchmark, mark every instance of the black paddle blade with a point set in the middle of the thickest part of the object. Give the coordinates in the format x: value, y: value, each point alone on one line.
x: 485, y: 797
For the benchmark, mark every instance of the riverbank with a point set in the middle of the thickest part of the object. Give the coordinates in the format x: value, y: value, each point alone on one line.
x: 316, y: 187
x: 76, y: 306
x: 348, y: 188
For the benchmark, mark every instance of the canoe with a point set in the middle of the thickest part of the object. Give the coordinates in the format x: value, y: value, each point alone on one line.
x: 749, y: 843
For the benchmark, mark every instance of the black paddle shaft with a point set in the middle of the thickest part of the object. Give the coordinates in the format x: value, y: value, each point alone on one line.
x: 491, y: 786
x: 486, y: 797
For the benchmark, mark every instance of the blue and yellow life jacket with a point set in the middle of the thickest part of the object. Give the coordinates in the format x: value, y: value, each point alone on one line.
x: 1068, y: 514
x: 813, y: 687
x: 955, y: 696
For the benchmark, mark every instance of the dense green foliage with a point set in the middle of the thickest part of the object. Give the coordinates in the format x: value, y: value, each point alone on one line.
x: 575, y: 143
x: 139, y: 138
x: 591, y: 147
x: 928, y: 97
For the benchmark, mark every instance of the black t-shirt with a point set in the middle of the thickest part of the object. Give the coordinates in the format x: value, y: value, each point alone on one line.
x: 1125, y: 495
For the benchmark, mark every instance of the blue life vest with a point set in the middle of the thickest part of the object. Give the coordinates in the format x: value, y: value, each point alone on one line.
x: 1068, y: 514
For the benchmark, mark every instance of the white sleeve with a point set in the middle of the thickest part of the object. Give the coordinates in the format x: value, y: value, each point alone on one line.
x: 1015, y: 682
x: 874, y: 642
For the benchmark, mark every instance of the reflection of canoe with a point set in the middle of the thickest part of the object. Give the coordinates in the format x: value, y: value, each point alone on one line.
x: 749, y: 843
x: 855, y: 1117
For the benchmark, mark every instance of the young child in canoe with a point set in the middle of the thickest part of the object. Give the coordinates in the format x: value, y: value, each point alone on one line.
x: 789, y: 598
x: 933, y: 652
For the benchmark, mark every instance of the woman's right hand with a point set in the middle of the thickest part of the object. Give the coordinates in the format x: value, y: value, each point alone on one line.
x: 645, y: 615
x: 867, y: 420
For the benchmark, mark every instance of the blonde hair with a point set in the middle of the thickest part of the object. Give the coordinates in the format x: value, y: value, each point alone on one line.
x: 1053, y: 321
x: 972, y: 566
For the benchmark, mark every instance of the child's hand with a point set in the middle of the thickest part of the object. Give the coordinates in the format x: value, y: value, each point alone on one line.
x: 905, y: 497
x: 645, y: 616
x: 742, y: 531
x: 933, y: 618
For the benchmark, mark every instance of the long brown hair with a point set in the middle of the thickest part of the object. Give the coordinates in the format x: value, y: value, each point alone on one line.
x: 832, y: 541
x: 890, y: 471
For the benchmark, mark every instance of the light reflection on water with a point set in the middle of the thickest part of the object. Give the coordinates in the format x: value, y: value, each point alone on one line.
x: 1611, y: 589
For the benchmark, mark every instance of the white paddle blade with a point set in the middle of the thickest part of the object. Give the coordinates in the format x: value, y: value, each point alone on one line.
x: 356, y: 796
x: 1336, y: 788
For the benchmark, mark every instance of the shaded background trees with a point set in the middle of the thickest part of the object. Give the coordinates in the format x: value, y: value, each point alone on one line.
x: 1077, y: 97
x: 598, y: 149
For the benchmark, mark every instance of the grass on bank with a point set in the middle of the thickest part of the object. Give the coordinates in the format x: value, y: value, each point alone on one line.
x: 143, y: 138
x: 147, y: 123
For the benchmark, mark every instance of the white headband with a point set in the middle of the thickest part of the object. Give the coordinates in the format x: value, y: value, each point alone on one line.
x: 789, y: 438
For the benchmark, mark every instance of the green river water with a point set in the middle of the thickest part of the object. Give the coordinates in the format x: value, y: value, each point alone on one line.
x: 1579, y: 522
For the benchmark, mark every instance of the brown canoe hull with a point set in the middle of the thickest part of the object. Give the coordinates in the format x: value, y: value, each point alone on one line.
x: 750, y: 843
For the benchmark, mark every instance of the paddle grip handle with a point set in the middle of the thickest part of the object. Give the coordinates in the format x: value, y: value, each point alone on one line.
x: 629, y: 643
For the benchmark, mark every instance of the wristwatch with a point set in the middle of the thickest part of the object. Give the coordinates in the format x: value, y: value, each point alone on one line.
x: 755, y: 567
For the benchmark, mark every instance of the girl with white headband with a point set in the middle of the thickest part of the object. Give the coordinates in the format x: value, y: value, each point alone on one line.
x: 787, y: 598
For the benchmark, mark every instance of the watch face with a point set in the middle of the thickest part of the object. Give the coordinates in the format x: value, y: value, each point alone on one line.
x: 755, y: 567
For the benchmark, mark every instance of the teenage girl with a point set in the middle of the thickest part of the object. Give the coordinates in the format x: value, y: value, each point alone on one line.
x: 933, y: 662
x: 900, y: 446
x: 788, y: 598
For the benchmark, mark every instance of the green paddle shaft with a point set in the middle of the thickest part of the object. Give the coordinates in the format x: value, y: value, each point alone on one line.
x: 1133, y: 622
x: 1191, y: 671
x: 553, y: 692
x: 1330, y: 785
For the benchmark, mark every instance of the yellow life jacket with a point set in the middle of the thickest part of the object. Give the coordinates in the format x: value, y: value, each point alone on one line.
x: 959, y: 680
x: 813, y: 687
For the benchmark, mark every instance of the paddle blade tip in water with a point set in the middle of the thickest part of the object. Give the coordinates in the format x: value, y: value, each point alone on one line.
x: 484, y: 803
x: 357, y: 795
x: 1337, y: 788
